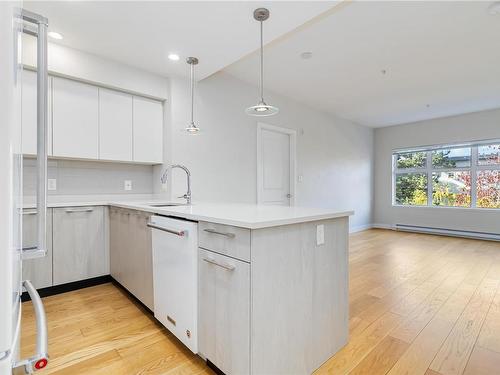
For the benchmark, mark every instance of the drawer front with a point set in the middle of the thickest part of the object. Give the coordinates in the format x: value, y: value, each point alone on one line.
x: 225, y: 239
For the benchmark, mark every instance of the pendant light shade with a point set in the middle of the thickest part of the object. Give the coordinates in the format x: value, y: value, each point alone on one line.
x: 192, y: 128
x: 262, y: 108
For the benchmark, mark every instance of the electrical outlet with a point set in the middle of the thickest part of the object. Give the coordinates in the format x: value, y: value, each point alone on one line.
x: 300, y: 178
x: 127, y: 184
x: 51, y: 184
x: 320, y: 234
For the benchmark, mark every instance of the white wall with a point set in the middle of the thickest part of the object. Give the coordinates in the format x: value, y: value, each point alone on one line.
x: 85, y: 66
x: 333, y: 155
x: 468, y: 127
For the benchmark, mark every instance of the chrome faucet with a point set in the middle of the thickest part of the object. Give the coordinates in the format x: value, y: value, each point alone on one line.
x: 186, y: 196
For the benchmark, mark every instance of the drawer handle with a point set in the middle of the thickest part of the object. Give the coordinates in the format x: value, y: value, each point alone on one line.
x: 213, y: 231
x: 29, y: 212
x: 226, y: 266
x: 72, y: 210
x: 180, y: 233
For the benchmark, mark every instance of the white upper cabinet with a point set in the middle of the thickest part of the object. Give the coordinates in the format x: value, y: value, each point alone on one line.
x: 115, y: 125
x: 75, y: 119
x: 29, y: 125
x: 148, y: 130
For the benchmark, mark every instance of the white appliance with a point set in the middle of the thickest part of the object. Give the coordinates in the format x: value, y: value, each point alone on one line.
x: 13, y: 22
x: 175, y: 277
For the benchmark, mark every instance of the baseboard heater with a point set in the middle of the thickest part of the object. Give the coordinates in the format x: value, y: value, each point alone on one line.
x: 448, y: 232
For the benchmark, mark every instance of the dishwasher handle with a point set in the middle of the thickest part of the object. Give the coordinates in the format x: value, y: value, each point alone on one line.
x: 180, y: 233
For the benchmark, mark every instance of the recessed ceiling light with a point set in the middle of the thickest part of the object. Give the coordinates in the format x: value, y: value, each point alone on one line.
x: 306, y: 55
x: 173, y: 57
x: 494, y: 8
x: 55, y: 35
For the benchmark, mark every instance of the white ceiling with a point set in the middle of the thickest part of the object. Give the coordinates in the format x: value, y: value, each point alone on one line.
x: 440, y: 58
x: 143, y: 33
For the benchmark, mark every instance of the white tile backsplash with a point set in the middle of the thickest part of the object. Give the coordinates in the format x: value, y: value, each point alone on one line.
x: 90, y: 178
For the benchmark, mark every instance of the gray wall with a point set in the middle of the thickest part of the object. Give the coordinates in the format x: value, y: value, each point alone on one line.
x: 463, y: 128
x: 335, y: 156
x: 92, y: 177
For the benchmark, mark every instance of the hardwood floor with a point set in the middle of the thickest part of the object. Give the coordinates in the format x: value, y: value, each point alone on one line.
x: 420, y: 304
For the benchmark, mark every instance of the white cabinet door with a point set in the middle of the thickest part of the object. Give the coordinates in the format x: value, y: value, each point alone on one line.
x: 224, y: 312
x: 29, y: 126
x: 75, y: 119
x: 79, y: 246
x: 39, y: 270
x: 115, y: 125
x: 148, y: 130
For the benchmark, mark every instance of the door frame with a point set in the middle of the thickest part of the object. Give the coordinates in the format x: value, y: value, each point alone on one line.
x: 293, y: 164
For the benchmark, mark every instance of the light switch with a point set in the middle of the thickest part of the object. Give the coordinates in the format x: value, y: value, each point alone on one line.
x: 127, y: 185
x: 320, y: 234
x: 51, y: 184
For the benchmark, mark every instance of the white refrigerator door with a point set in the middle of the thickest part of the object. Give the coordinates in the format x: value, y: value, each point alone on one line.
x: 175, y: 277
x: 10, y: 183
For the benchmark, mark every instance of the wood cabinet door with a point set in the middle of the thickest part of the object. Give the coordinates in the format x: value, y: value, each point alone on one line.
x: 75, y: 119
x: 79, y: 248
x: 148, y: 130
x: 224, y: 312
x: 39, y: 270
x: 330, y: 307
x: 115, y: 125
x: 282, y: 275
x: 29, y: 117
x: 138, y: 259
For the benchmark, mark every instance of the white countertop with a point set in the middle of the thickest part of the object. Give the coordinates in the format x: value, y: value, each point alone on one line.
x: 249, y: 216
x: 241, y: 215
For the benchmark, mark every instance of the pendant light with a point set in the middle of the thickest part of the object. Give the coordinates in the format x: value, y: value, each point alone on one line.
x: 192, y: 128
x: 261, y: 109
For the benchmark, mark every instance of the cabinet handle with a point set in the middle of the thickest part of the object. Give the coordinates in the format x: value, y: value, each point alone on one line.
x: 226, y: 266
x: 180, y: 233
x: 225, y: 234
x: 71, y: 210
x: 29, y: 212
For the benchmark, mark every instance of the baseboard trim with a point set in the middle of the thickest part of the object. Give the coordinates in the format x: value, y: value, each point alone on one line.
x: 448, y: 232
x: 383, y: 226
x: 117, y: 284
x: 214, y: 368
x: 68, y: 287
x: 360, y: 228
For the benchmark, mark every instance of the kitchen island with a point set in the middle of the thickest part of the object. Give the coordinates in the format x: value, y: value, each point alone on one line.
x: 272, y: 284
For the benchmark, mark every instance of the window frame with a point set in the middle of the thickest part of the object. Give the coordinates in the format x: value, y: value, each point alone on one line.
x: 429, y: 169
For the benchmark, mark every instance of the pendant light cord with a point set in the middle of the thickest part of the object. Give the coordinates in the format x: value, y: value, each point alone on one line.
x: 261, y: 61
x: 192, y: 93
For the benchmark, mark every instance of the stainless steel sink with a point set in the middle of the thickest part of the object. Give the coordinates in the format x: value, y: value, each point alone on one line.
x: 166, y: 204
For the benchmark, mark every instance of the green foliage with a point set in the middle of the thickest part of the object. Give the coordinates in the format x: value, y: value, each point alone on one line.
x: 411, y: 189
x: 411, y: 160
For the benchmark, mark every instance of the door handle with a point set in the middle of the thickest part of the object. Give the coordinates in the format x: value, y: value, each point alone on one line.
x: 180, y: 233
x: 226, y: 234
x: 226, y: 266
x: 39, y: 30
x: 40, y: 359
x: 71, y: 210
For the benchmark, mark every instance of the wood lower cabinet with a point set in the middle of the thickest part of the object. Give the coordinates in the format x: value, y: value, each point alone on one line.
x: 39, y: 270
x: 131, y: 253
x: 224, y: 311
x: 79, y: 244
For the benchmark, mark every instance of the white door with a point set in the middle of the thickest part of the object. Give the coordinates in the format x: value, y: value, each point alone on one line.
x: 76, y: 119
x: 115, y: 125
x: 275, y: 165
x: 148, y: 130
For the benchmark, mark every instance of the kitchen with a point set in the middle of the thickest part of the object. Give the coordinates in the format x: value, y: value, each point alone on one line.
x: 177, y: 216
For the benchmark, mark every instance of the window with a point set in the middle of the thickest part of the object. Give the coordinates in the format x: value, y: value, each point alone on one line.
x: 448, y: 176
